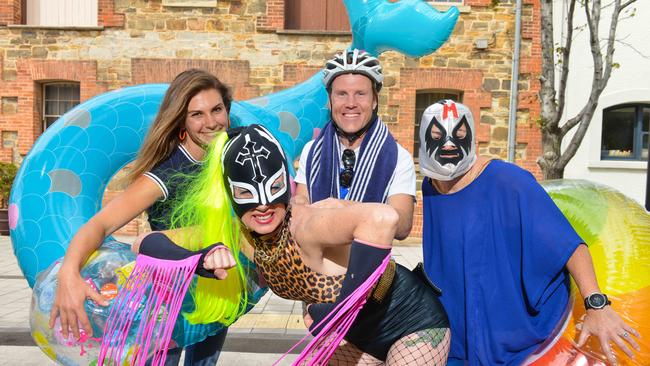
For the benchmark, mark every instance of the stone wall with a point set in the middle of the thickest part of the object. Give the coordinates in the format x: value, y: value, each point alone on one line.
x: 244, y: 43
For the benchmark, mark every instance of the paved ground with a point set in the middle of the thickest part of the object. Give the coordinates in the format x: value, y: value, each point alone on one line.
x: 32, y: 356
x: 258, y: 338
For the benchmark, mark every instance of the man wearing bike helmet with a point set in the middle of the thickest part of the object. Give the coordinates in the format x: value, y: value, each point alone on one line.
x: 355, y: 158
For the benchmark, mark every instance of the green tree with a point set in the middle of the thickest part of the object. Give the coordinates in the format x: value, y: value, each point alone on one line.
x: 7, y: 175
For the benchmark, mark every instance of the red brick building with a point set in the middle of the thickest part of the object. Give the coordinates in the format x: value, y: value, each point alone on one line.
x: 257, y: 47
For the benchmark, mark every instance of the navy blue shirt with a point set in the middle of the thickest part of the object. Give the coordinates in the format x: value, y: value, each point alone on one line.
x: 172, y: 175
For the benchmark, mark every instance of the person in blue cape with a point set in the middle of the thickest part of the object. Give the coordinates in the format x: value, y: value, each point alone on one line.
x: 501, y: 251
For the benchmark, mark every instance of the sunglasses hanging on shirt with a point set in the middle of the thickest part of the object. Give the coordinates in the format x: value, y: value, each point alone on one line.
x: 346, y: 176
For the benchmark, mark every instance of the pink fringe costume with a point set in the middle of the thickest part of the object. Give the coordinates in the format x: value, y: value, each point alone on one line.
x: 152, y: 297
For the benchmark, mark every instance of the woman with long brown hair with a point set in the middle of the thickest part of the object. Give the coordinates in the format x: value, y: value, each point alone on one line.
x: 194, y: 110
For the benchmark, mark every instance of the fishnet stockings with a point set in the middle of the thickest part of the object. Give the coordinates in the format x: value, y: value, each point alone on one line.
x: 426, y: 347
x: 348, y: 354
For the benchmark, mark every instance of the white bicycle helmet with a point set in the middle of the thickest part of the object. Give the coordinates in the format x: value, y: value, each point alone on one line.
x: 353, y: 62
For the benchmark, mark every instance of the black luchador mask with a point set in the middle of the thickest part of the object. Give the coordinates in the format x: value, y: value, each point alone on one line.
x: 255, y: 169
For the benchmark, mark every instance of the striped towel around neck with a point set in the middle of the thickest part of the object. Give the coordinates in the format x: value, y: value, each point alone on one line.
x: 373, y: 169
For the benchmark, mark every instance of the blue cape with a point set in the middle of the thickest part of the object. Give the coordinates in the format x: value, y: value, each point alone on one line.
x: 498, y: 250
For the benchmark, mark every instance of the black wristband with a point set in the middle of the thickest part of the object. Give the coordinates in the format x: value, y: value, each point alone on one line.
x: 158, y: 245
x: 364, y: 259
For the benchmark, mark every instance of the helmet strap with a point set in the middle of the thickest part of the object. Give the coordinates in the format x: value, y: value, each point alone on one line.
x: 354, y: 136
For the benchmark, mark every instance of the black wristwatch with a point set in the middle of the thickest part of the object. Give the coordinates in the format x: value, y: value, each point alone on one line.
x: 596, y: 301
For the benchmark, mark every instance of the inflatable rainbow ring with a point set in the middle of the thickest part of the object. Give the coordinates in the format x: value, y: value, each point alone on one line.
x: 617, y: 231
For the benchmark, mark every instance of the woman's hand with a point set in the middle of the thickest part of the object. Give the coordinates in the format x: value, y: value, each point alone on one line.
x: 608, y: 326
x: 219, y: 260
x: 71, y: 292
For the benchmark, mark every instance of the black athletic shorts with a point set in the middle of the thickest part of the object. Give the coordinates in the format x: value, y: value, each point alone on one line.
x: 410, y: 305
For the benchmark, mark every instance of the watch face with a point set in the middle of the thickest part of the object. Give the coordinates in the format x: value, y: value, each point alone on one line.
x: 597, y: 301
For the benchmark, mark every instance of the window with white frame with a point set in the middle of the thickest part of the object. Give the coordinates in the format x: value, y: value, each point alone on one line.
x: 58, y: 98
x: 61, y: 13
x: 425, y: 98
x: 625, y: 132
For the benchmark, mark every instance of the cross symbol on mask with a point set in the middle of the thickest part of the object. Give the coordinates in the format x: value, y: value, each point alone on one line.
x: 254, y: 155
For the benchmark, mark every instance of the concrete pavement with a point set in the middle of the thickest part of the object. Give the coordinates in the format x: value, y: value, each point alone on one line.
x: 258, y: 338
x: 32, y: 356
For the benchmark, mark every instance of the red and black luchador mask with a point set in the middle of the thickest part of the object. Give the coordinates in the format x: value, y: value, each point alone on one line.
x: 446, y: 140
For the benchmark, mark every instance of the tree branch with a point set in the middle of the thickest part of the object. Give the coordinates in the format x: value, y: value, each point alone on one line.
x: 609, y: 55
x: 631, y: 46
x: 549, y: 111
x: 600, y: 77
x: 593, y: 20
x: 553, y: 160
x: 564, y: 71
x: 626, y: 4
x: 576, y: 140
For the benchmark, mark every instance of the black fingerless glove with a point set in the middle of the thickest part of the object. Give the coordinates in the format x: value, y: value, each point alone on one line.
x: 158, y: 245
x: 364, y: 259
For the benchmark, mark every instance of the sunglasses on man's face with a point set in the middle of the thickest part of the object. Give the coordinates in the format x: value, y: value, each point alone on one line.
x: 346, y: 176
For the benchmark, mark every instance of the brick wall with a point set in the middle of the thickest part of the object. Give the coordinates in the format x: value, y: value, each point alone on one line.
x: 481, y: 76
x: 273, y: 18
x: 234, y: 73
x: 529, y: 137
x: 10, y: 12
x: 145, y: 41
x: 107, y: 17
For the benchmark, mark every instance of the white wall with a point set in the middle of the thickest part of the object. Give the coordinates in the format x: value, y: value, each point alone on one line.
x: 628, y: 84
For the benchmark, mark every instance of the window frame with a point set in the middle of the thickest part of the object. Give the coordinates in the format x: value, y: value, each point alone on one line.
x: 638, y: 133
x: 45, y: 100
